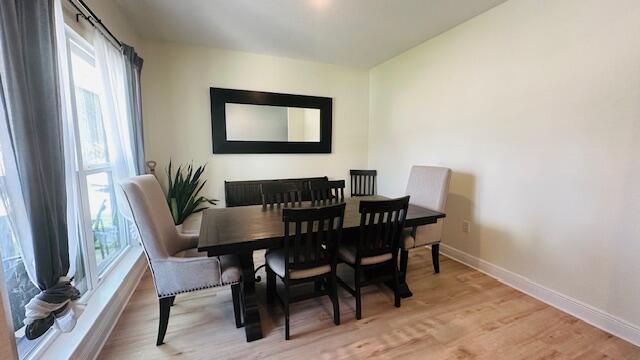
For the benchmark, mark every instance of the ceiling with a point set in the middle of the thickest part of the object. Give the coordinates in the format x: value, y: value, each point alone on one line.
x: 349, y: 32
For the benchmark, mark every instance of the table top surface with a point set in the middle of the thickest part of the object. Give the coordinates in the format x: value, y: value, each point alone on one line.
x: 225, y: 230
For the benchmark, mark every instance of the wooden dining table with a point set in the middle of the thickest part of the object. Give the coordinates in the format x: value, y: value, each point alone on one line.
x: 244, y: 229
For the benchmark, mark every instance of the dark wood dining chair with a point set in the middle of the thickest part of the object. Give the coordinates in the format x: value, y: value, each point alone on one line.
x: 363, y: 182
x: 376, y: 247
x: 311, y: 239
x: 281, y: 193
x: 325, y: 192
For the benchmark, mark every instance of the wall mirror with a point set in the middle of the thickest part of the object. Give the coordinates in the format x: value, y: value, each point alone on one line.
x: 250, y: 122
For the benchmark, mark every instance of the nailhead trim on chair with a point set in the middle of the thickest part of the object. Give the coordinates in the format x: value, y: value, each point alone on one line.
x: 199, y: 288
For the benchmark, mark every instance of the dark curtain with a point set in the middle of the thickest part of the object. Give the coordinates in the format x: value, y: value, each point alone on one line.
x: 134, y: 67
x: 28, y: 46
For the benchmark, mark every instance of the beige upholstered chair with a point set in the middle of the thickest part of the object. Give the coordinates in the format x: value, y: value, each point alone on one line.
x: 428, y: 187
x: 175, y: 263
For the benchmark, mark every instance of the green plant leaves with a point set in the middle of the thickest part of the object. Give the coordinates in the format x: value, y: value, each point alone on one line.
x: 183, y: 192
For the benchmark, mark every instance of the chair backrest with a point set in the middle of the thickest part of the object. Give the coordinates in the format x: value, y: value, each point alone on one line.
x: 151, y: 214
x: 325, y: 192
x: 363, y: 182
x: 312, y: 236
x: 247, y: 192
x: 428, y: 186
x: 381, y: 225
x: 281, y: 193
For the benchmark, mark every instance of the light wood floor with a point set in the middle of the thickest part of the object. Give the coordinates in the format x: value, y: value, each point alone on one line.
x: 457, y: 314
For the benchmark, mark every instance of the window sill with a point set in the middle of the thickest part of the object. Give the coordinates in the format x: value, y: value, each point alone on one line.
x: 100, y: 314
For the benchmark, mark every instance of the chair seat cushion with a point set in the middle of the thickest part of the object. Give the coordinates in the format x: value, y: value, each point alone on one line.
x: 275, y: 261
x: 426, y: 235
x: 190, y: 270
x: 190, y: 253
x: 348, y: 253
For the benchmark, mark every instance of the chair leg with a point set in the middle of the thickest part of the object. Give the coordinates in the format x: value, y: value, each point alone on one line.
x: 165, y: 308
x: 271, y: 285
x: 237, y: 306
x: 334, y: 300
x: 358, y: 293
x: 396, y: 285
x: 173, y: 300
x: 435, y: 252
x: 286, y: 311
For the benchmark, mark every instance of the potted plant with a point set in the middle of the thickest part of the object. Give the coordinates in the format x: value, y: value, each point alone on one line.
x: 183, y: 192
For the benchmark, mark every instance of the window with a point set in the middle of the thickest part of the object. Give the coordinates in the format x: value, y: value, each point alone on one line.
x: 19, y: 287
x: 104, y: 234
x: 105, y: 230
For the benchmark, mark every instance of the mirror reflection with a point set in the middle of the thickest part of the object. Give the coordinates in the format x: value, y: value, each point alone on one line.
x: 245, y: 122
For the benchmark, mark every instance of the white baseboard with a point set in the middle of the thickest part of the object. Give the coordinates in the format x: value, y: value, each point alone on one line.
x: 582, y: 311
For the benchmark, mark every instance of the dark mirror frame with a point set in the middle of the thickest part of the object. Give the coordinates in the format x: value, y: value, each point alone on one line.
x: 220, y: 97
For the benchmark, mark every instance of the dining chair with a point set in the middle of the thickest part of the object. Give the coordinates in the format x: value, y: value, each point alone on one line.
x: 363, y: 182
x: 174, y: 261
x: 247, y: 192
x: 311, y: 238
x: 376, y: 247
x: 325, y: 192
x: 428, y: 187
x: 281, y: 194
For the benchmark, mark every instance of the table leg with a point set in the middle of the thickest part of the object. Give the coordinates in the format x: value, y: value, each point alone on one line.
x: 252, y: 325
x: 405, y: 292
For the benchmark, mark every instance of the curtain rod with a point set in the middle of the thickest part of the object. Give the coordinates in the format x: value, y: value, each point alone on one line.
x: 95, y: 21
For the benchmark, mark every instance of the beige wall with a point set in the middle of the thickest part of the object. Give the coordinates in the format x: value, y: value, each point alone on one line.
x: 177, y: 118
x: 535, y: 105
x: 113, y: 17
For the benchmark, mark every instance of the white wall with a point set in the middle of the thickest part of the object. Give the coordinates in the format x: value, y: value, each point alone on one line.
x: 113, y: 17
x: 177, y: 119
x: 535, y: 105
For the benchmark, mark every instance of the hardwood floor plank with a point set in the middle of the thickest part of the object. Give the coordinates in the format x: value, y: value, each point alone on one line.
x: 457, y: 314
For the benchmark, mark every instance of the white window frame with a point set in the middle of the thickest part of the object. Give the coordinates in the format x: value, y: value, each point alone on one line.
x: 100, y: 280
x: 94, y: 274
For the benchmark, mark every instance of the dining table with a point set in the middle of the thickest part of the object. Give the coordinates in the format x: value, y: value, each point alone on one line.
x: 244, y: 229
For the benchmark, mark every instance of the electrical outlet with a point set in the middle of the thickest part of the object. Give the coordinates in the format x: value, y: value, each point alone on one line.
x: 466, y: 226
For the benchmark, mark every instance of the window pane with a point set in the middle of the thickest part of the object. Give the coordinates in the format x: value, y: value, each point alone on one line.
x: 92, y: 137
x: 19, y: 288
x: 80, y: 278
x: 108, y: 239
x: 90, y: 126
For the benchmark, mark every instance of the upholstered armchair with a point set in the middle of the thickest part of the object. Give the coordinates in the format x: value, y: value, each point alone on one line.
x: 428, y: 187
x: 174, y: 261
